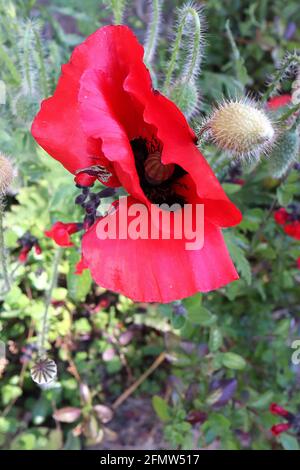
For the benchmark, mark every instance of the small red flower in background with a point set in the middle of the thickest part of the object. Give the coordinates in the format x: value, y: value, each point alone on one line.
x: 292, y: 419
x: 293, y: 229
x: 27, y: 243
x: 278, y: 429
x: 281, y: 216
x: 279, y: 101
x: 80, y: 266
x: 60, y: 233
x: 103, y: 122
x: 290, y: 220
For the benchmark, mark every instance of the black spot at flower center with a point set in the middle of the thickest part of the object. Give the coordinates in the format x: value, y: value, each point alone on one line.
x: 163, y: 192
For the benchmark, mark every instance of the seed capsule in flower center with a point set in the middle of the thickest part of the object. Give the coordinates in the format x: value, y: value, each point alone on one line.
x: 155, y: 171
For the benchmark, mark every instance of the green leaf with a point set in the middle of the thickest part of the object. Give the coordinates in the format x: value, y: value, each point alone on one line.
x: 239, y: 258
x: 215, y: 339
x: 233, y: 361
x: 201, y: 316
x: 231, y: 188
x: 161, y: 408
x: 79, y: 285
x: 289, y: 442
x: 263, y: 401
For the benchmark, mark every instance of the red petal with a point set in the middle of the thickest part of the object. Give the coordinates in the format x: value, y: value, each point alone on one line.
x: 158, y: 270
x: 60, y: 233
x: 57, y: 127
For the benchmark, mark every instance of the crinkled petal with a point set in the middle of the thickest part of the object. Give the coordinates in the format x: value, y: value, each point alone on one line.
x: 157, y: 270
x: 57, y: 127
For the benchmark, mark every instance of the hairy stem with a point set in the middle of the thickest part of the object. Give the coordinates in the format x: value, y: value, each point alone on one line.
x: 152, y: 31
x: 3, y: 259
x: 194, y: 61
x: 44, y: 326
x: 118, y: 7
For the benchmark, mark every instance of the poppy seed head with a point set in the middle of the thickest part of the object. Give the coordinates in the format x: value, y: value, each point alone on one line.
x: 241, y: 128
x: 6, y: 174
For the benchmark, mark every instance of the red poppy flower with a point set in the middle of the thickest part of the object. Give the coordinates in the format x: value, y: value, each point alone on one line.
x: 279, y: 101
x: 281, y: 216
x: 293, y: 229
x: 103, y: 122
x: 60, y: 233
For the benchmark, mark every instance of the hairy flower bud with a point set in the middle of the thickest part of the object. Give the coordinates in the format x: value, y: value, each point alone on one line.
x: 285, y: 153
x: 6, y: 174
x: 240, y: 128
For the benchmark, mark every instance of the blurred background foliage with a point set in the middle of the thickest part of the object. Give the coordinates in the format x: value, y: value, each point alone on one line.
x: 219, y: 359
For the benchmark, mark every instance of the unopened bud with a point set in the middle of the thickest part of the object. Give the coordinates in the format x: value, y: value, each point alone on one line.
x: 6, y: 174
x: 285, y: 153
x: 240, y: 128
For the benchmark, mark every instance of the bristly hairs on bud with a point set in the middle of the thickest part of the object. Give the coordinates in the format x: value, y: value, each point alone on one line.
x: 240, y: 127
x: 187, y: 53
x: 285, y: 153
x: 118, y: 9
x: 152, y: 30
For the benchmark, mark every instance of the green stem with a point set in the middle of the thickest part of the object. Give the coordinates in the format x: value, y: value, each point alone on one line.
x: 43, y: 73
x: 118, y: 7
x: 44, y: 327
x: 286, y: 64
x: 193, y: 64
x: 290, y: 113
x: 3, y: 259
x: 27, y: 57
x: 152, y: 31
x: 4, y: 57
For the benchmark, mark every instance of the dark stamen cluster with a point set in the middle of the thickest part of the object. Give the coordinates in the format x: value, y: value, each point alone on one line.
x: 90, y: 202
x: 164, y: 193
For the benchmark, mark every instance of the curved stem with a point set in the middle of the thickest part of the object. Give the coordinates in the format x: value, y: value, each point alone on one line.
x: 44, y: 327
x: 152, y: 31
x: 194, y: 61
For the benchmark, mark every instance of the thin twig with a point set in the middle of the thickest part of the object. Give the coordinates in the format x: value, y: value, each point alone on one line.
x: 136, y: 384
